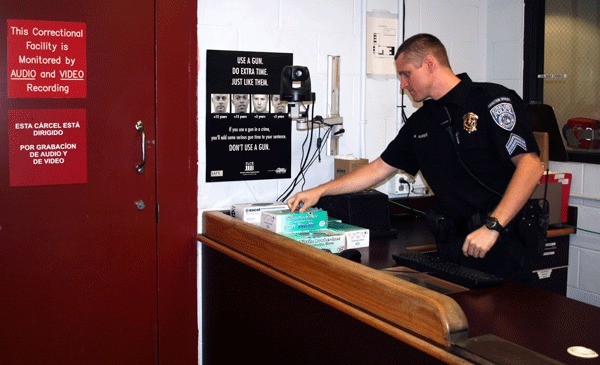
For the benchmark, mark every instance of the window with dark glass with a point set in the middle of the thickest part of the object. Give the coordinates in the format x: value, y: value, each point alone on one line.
x: 562, y: 69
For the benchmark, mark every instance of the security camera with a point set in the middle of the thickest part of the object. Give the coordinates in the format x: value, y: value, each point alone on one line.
x: 295, y: 84
x: 295, y: 90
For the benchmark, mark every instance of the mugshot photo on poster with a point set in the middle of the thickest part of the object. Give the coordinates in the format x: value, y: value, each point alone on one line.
x: 220, y: 103
x: 278, y: 105
x: 241, y: 103
x: 260, y: 103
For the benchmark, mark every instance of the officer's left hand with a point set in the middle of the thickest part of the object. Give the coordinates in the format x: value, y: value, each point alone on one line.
x: 479, y: 242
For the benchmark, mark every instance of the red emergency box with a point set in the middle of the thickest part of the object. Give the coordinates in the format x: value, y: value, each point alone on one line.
x: 582, y: 133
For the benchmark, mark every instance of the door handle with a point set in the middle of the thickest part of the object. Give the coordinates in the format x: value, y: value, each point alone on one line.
x: 139, y: 126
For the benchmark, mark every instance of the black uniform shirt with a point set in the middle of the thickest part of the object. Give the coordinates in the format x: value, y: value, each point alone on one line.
x: 500, y: 132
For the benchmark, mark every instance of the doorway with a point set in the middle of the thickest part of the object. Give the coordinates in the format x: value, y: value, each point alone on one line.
x: 102, y: 269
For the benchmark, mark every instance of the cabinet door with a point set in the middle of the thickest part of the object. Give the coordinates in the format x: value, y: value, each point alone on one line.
x: 78, y: 257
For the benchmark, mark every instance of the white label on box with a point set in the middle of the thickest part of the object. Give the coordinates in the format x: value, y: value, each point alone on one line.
x: 251, y: 212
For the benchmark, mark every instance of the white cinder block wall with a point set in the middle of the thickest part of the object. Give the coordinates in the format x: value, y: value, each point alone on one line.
x: 310, y: 30
x: 487, y: 45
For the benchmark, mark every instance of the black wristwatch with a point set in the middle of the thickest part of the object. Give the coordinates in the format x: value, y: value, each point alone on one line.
x: 493, y: 224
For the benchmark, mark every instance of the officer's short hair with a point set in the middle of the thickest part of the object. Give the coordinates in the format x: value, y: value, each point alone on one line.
x: 420, y: 45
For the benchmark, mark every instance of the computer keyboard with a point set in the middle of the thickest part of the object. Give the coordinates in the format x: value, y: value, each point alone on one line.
x: 448, y: 271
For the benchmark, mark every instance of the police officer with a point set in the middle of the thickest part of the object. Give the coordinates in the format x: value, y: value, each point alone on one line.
x: 474, y: 147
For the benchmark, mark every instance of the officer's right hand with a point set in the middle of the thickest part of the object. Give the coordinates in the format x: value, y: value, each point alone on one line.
x: 303, y: 200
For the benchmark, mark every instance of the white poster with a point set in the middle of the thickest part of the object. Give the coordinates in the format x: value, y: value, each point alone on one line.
x: 382, y: 40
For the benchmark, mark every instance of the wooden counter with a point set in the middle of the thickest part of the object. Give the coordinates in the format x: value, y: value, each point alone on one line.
x: 275, y: 300
x: 424, y: 319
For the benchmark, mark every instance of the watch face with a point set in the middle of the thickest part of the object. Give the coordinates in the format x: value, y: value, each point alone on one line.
x: 492, y: 223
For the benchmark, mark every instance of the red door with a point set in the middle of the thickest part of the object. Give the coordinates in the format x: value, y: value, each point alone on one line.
x: 78, y: 261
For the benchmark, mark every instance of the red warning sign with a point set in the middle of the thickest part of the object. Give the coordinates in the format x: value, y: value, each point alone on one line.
x: 46, y: 59
x: 47, y: 147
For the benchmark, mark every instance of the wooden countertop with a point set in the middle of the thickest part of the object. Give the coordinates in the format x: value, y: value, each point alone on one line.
x: 543, y: 322
x: 424, y: 319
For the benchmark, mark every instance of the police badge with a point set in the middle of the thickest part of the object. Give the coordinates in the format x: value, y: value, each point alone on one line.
x: 470, y: 122
x: 504, y: 116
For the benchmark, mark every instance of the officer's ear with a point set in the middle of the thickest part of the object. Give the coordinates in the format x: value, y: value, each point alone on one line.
x: 430, y: 63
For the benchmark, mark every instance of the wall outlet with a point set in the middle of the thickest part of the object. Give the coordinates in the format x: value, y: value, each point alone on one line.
x: 405, y: 185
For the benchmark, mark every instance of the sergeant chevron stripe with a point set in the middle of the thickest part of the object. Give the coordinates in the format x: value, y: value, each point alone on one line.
x: 515, y: 141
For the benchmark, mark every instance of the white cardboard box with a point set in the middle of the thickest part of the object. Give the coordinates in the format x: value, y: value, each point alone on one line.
x: 250, y: 212
x: 356, y: 237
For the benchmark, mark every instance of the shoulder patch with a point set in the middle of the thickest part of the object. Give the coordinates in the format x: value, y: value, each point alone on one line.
x: 503, y: 114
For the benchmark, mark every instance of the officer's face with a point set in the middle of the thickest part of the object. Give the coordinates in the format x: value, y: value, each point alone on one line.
x: 413, y: 78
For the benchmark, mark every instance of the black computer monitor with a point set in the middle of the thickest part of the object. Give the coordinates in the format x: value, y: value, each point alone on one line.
x: 543, y: 119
